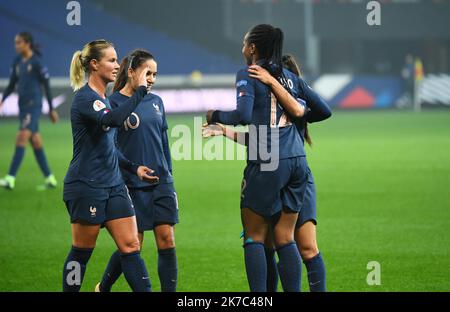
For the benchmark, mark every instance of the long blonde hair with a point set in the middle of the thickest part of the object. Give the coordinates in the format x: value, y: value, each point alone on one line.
x: 79, y: 66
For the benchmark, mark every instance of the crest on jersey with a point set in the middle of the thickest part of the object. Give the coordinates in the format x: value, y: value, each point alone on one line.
x: 98, y: 105
x: 158, y: 111
x: 93, y: 211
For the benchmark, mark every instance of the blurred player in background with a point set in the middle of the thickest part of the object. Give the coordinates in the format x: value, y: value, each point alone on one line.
x: 94, y: 191
x: 29, y: 74
x: 257, y: 106
x: 143, y: 139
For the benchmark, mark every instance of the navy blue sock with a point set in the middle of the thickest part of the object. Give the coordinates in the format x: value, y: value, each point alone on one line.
x: 168, y: 269
x: 290, y: 267
x: 135, y: 272
x: 17, y: 160
x: 112, y: 272
x: 256, y: 266
x: 272, y: 270
x: 42, y: 161
x: 316, y: 273
x: 75, y: 267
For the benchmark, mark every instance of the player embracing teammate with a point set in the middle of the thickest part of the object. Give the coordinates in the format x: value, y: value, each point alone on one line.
x: 296, y: 194
x: 262, y: 185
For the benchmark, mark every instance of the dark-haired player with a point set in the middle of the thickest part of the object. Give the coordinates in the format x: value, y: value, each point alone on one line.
x: 305, y: 229
x: 305, y: 233
x: 29, y: 75
x: 257, y: 106
x: 143, y: 139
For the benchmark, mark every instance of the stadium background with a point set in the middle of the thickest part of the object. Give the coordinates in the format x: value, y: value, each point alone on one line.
x: 382, y: 169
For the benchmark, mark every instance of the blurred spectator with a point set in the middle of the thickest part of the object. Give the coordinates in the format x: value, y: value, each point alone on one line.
x: 408, y: 77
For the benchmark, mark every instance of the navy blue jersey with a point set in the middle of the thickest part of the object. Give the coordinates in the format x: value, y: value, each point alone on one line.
x: 95, y: 159
x: 318, y: 108
x: 257, y: 105
x: 143, y: 138
x: 29, y: 76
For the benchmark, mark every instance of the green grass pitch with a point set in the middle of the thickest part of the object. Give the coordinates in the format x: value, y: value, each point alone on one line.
x: 383, y: 181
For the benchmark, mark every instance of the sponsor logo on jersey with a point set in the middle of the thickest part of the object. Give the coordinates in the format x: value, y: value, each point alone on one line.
x: 98, y: 105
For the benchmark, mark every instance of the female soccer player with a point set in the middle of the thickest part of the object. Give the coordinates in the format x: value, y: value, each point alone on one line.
x: 28, y: 73
x: 305, y: 234
x: 262, y: 184
x: 94, y: 190
x: 143, y: 139
x: 305, y: 229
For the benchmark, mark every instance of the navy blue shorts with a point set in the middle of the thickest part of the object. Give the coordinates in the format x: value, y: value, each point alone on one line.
x: 155, y: 205
x: 29, y: 118
x: 309, y: 208
x: 261, y: 190
x: 97, y: 205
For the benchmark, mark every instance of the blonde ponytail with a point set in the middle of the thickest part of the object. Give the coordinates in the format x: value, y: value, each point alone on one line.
x: 79, y: 66
x: 77, y: 71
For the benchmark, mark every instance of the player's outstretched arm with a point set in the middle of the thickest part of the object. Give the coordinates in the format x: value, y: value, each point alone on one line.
x: 117, y: 116
x: 242, y: 115
x: 143, y: 172
x: 289, y: 103
x: 218, y: 129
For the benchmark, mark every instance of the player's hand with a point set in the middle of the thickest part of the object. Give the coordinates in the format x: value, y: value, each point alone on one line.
x: 1, y: 106
x: 54, y: 117
x: 261, y: 74
x: 209, y: 116
x: 145, y: 174
x: 216, y: 129
x: 142, y: 76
